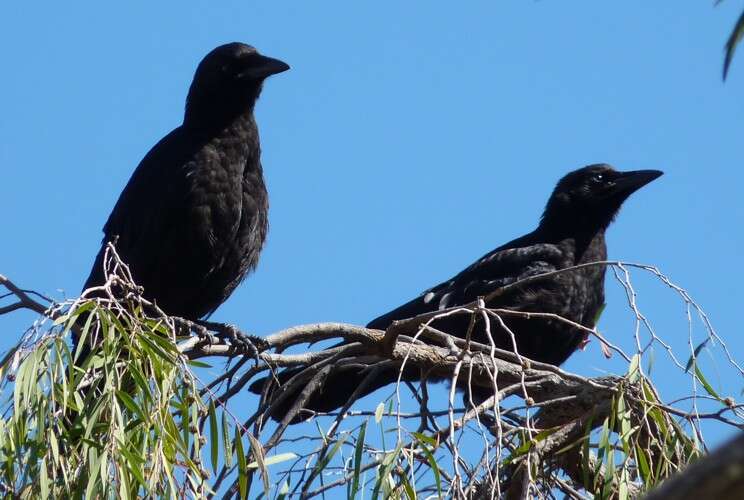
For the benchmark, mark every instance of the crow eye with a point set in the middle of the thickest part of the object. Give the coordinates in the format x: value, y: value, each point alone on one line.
x: 597, y: 178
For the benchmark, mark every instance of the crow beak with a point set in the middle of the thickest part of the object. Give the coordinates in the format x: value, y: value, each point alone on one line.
x: 629, y: 182
x: 263, y: 67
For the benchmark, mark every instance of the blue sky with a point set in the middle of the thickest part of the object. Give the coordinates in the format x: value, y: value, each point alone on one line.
x: 408, y: 139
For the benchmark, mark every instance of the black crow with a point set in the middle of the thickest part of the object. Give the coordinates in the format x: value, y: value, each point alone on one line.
x: 192, y: 219
x: 571, y: 232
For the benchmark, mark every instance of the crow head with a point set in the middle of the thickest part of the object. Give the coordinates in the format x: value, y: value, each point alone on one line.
x: 228, y: 81
x: 589, y: 198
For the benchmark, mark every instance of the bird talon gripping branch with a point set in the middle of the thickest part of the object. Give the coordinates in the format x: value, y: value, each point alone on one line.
x: 255, y: 345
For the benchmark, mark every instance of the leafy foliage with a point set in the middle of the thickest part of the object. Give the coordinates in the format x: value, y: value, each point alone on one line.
x: 124, y: 422
x: 134, y: 419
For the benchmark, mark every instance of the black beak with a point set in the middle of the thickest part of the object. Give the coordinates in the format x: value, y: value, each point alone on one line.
x: 262, y: 67
x: 628, y: 182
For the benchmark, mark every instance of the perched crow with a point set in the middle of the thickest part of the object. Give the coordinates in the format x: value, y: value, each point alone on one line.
x: 192, y: 219
x: 571, y: 232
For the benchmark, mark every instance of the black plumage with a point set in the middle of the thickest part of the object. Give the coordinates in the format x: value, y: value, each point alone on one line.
x: 192, y: 219
x: 571, y: 232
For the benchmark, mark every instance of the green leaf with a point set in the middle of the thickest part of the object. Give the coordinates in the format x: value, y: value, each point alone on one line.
x: 384, y: 470
x: 273, y: 459
x: 134, y: 464
x: 623, y: 486
x: 425, y: 439
x: 44, y: 479
x: 378, y: 412
x: 171, y: 482
x: 242, y: 476
x: 528, y: 443
x: 642, y: 462
x: 60, y: 319
x: 139, y: 379
x: 410, y: 492
x: 651, y: 358
x: 732, y: 43
x: 634, y: 370
x: 258, y: 453
x: 708, y: 388
x: 131, y: 404
x: 213, y: 436
x: 358, y: 450
x: 431, y: 460
x: 323, y: 462
x: 104, y: 469
x: 154, y: 349
x: 608, y: 472
x: 198, y: 364
x: 124, y: 486
x: 226, y: 444
x: 54, y: 445
x: 94, y: 463
x: 283, y: 490
x: 603, y: 445
x: 695, y: 354
x: 585, y: 469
